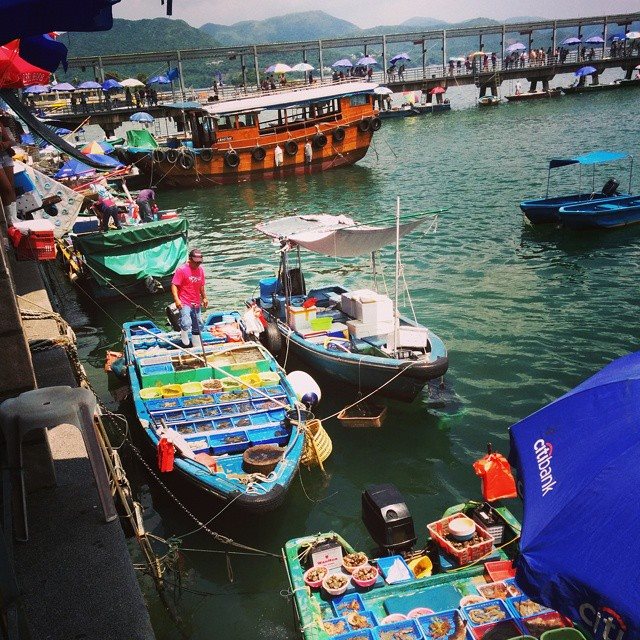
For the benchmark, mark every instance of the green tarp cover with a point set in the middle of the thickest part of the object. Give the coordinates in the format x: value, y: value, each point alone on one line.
x: 122, y: 257
x: 141, y: 138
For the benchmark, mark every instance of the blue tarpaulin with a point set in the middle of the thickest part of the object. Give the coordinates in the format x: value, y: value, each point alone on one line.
x: 577, y: 461
x: 595, y: 157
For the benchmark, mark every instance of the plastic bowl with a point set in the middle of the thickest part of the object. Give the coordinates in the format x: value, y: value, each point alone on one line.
x: 335, y: 591
x: 151, y: 393
x: 369, y: 582
x: 191, y: 388
x: 421, y: 567
x: 472, y: 599
x: 350, y: 568
x: 462, y: 528
x: 419, y: 611
x: 394, y: 617
x: 314, y: 584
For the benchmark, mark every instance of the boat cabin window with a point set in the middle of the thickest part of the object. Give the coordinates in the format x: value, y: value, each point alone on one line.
x: 298, y: 116
x: 247, y: 120
x: 359, y: 99
x: 226, y: 122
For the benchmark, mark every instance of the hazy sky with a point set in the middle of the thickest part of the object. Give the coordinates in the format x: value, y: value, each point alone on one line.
x: 372, y: 12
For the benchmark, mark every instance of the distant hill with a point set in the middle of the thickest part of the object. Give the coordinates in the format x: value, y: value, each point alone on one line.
x: 424, y: 23
x: 308, y: 25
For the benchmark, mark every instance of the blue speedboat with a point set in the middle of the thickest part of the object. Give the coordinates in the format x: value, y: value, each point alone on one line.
x: 223, y: 408
x: 354, y: 337
x: 605, y: 214
x: 545, y: 210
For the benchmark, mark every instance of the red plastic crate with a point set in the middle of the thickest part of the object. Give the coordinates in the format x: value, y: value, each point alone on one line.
x: 499, y: 570
x: 503, y: 629
x: 550, y: 620
x: 438, y: 530
x: 37, y: 245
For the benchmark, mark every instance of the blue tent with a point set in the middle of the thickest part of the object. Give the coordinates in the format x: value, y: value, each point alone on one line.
x: 578, y: 469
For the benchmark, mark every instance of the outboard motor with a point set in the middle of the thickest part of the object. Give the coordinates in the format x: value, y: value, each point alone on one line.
x: 610, y: 187
x: 173, y: 316
x: 387, y: 518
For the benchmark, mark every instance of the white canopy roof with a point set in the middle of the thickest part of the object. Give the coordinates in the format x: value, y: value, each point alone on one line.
x: 335, y: 236
x: 281, y: 99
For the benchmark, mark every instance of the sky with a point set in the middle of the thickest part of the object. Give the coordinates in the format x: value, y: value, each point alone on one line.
x: 377, y: 12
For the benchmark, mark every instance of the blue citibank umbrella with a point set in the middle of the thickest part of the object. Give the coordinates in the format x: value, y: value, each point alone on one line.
x: 577, y: 461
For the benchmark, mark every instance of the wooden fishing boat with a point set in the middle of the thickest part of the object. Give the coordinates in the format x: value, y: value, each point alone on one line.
x: 411, y: 110
x: 603, y: 214
x: 592, y: 88
x: 534, y: 95
x: 478, y: 599
x: 222, y: 407
x: 269, y: 135
x: 355, y: 337
x: 545, y: 210
x: 489, y: 101
x: 137, y: 260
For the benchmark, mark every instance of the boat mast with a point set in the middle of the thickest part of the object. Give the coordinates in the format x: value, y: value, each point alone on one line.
x: 396, y: 319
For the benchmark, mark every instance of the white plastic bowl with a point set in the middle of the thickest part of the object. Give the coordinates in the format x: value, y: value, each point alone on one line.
x: 462, y: 528
x: 335, y: 592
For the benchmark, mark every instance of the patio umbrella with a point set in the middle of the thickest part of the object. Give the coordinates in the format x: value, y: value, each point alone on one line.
x: 568, y: 42
x: 106, y: 161
x: 475, y: 54
x: 92, y: 148
x: 633, y: 35
x: 159, y: 80
x: 106, y: 147
x: 17, y: 73
x: 111, y: 84
x: 577, y: 466
x: 399, y: 57
x: 366, y: 61
x: 278, y: 67
x: 90, y: 84
x: 594, y: 40
x: 72, y: 169
x: 516, y: 46
x: 141, y: 116
x: 302, y: 66
x: 62, y: 86
x: 585, y: 71
x: 345, y: 62
x: 37, y: 88
x: 132, y: 82
x: 382, y: 91
x: 437, y: 90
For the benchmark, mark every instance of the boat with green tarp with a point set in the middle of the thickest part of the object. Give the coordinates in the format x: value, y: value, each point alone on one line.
x: 135, y: 260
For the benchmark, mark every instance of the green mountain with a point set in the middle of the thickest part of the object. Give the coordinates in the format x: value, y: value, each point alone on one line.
x: 308, y: 25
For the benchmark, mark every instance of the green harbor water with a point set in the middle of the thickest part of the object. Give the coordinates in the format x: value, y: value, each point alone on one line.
x: 526, y: 314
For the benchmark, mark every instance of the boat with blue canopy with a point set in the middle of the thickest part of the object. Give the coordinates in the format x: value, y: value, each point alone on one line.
x: 353, y: 336
x: 603, y: 214
x: 217, y: 416
x: 545, y: 210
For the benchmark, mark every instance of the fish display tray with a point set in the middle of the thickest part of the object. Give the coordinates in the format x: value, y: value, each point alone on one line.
x: 406, y: 629
x: 471, y: 611
x: 442, y: 620
x: 439, y: 529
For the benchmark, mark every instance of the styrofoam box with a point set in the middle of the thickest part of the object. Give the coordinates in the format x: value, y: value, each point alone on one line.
x: 34, y: 225
x: 28, y: 201
x: 299, y: 317
x: 374, y: 309
x: 360, y: 329
x: 348, y: 300
x: 412, y: 337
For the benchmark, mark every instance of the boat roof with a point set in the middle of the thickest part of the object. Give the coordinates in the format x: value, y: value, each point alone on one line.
x: 594, y: 157
x: 280, y: 99
x: 338, y: 236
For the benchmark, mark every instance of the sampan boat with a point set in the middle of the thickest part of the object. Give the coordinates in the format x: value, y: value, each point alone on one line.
x: 222, y: 407
x: 355, y: 337
x: 604, y: 214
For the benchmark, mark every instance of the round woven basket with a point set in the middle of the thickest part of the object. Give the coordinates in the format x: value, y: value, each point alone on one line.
x: 313, y: 456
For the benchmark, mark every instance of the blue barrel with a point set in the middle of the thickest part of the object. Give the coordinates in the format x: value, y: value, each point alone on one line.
x: 268, y: 287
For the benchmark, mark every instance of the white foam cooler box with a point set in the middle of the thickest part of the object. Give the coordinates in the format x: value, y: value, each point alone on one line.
x: 374, y: 308
x: 409, y: 338
x: 348, y: 300
x: 359, y: 329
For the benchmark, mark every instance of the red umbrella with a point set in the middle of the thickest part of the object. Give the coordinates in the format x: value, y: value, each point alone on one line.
x: 17, y: 73
x: 436, y: 90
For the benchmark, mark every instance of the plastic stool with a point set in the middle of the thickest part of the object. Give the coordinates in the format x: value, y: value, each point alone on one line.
x: 42, y: 409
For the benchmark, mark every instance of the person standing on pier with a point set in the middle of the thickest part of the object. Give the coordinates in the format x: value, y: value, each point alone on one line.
x: 187, y: 288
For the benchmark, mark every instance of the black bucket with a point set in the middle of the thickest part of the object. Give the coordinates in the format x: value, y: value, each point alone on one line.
x: 297, y: 417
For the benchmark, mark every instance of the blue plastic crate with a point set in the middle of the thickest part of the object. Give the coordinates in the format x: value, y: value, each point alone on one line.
x: 200, y: 400
x: 513, y: 609
x: 347, y: 603
x: 269, y: 435
x: 171, y: 416
x: 185, y: 428
x: 513, y: 588
x: 469, y: 609
x: 210, y: 412
x: 220, y: 444
x: 199, y: 445
x: 243, y: 422
x: 231, y: 397
x: 164, y: 404
x: 204, y: 426
x: 155, y: 369
x: 193, y: 414
x: 365, y: 634
x: 223, y: 422
x: 424, y: 622
x: 260, y: 419
x: 369, y: 615
x: 228, y: 410
x: 385, y: 563
x: 334, y: 624
x: 413, y: 631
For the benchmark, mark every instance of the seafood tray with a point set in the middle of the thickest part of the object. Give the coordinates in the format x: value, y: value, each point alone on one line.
x: 274, y: 391
x: 536, y: 625
x: 335, y: 626
x: 163, y: 404
x: 232, y: 442
x: 438, y: 626
x: 269, y: 435
x: 191, y: 402
x: 359, y: 620
x: 404, y: 630
x: 504, y: 630
x: 494, y: 590
x: 525, y: 607
x: 514, y: 589
x: 439, y: 532
x: 360, y: 634
x: 487, y: 612
x: 347, y: 603
x: 236, y: 395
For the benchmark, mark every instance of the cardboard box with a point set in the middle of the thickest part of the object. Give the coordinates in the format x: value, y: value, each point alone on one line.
x: 375, y: 308
x: 360, y: 329
x: 299, y: 317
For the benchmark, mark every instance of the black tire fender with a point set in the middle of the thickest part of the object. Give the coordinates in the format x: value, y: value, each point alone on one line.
x: 291, y: 147
x: 231, y: 158
x: 363, y: 125
x: 186, y: 160
x: 319, y: 141
x: 172, y: 155
x: 158, y: 155
x: 375, y: 123
x: 206, y: 155
x: 272, y: 339
x: 259, y: 154
x: 338, y: 134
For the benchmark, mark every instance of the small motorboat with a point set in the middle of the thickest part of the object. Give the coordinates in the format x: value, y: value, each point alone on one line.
x: 489, y: 101
x: 534, y: 95
x: 604, y: 214
x: 221, y: 407
x: 355, y: 337
x: 545, y: 210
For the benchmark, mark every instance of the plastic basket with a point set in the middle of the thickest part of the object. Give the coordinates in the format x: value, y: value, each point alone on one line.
x: 231, y: 442
x: 251, y: 379
x: 567, y: 633
x: 499, y: 570
x: 151, y: 393
x: 269, y: 378
x: 439, y: 529
x: 212, y: 386
x: 407, y: 630
x: 354, y: 418
x: 321, y: 324
x: 171, y: 391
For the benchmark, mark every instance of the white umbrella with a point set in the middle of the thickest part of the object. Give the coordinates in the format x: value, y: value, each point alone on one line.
x: 382, y: 91
x: 132, y: 82
x: 302, y: 66
x: 633, y: 35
